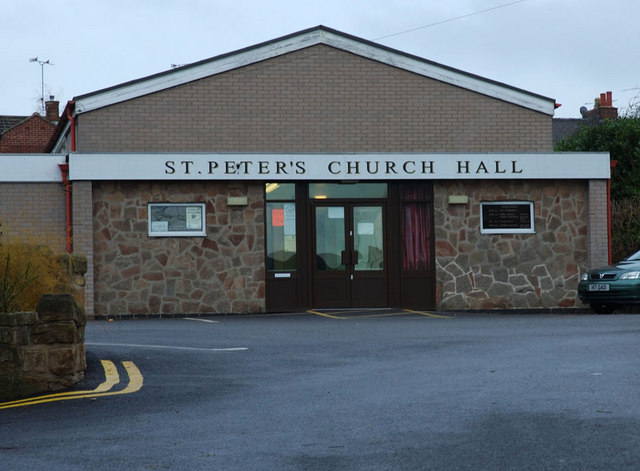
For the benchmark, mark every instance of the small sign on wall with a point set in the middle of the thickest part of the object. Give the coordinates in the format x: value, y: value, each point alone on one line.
x: 507, y: 217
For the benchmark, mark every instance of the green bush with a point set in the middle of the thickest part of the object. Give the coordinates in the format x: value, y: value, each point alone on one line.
x: 625, y: 227
x: 621, y: 138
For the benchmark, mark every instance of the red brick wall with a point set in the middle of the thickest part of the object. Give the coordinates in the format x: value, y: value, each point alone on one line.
x: 31, y: 136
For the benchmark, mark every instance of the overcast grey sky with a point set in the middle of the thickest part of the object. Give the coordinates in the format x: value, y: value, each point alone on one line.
x: 570, y: 50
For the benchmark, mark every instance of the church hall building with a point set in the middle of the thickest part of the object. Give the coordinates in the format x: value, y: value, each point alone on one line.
x: 315, y: 171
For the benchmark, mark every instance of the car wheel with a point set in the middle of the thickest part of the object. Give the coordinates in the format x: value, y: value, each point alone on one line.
x: 603, y: 308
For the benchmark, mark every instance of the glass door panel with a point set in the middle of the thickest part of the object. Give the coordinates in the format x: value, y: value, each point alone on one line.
x: 330, y: 238
x: 281, y: 237
x: 368, y: 238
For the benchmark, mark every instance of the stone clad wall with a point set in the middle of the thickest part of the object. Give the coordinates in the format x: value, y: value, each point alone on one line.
x: 43, y: 350
x: 484, y: 271
x: 137, y: 274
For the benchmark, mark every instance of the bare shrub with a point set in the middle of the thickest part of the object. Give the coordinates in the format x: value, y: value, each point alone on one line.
x: 27, y: 271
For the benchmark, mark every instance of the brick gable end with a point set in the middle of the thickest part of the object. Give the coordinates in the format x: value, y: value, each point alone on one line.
x: 30, y: 136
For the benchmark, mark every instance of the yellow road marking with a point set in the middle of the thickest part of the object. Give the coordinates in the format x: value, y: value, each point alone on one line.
x: 111, y: 379
x: 104, y: 389
x: 370, y: 316
x: 311, y: 311
x: 428, y: 314
x: 135, y: 381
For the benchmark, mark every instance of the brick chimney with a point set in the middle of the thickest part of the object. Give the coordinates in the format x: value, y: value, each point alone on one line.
x: 602, y: 108
x: 52, y: 108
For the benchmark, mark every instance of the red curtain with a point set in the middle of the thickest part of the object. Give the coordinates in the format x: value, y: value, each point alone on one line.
x: 417, y: 226
x: 417, y: 221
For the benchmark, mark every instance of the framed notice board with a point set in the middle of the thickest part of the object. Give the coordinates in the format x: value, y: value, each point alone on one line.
x: 177, y: 220
x: 507, y: 217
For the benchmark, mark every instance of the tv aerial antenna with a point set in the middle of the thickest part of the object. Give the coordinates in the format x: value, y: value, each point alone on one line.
x: 42, y: 64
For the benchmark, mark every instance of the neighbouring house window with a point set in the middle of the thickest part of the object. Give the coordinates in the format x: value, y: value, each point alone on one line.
x: 417, y: 225
x: 506, y: 217
x: 281, y: 226
x: 177, y: 219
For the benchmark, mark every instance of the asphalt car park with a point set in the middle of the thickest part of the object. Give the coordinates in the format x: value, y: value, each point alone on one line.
x: 344, y: 390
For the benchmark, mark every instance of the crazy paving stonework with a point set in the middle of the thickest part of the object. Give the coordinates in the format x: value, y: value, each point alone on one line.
x: 43, y: 350
x: 484, y: 271
x: 138, y: 274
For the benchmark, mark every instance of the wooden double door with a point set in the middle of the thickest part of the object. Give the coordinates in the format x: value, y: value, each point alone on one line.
x: 349, y: 254
x: 359, y: 245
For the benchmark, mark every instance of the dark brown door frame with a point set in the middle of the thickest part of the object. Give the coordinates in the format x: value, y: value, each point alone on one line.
x: 297, y: 293
x: 292, y: 293
x: 349, y: 287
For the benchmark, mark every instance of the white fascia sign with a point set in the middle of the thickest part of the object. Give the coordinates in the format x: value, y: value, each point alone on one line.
x: 327, y: 167
x: 31, y: 168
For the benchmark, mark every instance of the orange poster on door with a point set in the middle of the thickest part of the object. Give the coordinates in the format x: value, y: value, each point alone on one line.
x: 277, y: 217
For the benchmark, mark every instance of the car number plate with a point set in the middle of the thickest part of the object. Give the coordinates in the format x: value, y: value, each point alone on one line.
x: 599, y: 287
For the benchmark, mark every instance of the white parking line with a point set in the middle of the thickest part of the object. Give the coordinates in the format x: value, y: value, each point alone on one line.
x: 200, y: 320
x: 167, y: 347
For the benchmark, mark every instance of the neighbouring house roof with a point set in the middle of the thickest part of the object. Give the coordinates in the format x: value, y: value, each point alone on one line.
x: 7, y: 122
x: 24, y: 134
x: 563, y: 128
x: 304, y: 39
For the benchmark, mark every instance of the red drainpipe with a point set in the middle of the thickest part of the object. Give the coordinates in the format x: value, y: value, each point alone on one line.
x: 64, y: 169
x: 613, y: 163
x: 72, y: 123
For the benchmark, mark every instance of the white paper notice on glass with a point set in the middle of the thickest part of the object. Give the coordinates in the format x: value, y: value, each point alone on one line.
x: 365, y: 228
x: 194, y: 218
x: 289, y: 218
x: 159, y: 226
x: 335, y: 212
